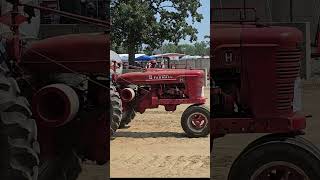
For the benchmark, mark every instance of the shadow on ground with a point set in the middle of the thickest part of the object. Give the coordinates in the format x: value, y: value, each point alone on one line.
x: 151, y: 134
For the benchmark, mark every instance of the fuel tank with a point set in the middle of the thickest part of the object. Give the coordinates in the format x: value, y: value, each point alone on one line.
x: 162, y: 76
x: 77, y: 52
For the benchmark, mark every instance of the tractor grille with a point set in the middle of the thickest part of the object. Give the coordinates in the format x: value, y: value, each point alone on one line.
x: 287, y: 70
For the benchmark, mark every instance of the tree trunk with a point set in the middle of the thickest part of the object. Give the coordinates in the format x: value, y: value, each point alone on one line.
x: 131, y: 50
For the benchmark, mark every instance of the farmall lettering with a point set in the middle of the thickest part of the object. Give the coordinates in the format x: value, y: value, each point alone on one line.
x: 160, y: 77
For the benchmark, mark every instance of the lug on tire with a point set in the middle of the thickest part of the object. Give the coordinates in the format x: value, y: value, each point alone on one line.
x: 64, y: 166
x: 195, y: 121
x: 19, y: 148
x: 115, y: 110
x: 276, y: 159
x: 127, y: 117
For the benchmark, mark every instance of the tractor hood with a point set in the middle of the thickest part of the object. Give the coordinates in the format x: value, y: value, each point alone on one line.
x: 160, y: 76
x: 234, y: 34
x: 79, y: 52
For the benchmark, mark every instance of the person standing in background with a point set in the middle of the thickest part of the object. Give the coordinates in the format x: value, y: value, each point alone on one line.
x: 152, y: 64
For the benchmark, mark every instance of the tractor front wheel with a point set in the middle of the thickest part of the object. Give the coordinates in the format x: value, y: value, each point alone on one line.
x: 195, y: 121
x: 277, y: 159
x: 115, y: 110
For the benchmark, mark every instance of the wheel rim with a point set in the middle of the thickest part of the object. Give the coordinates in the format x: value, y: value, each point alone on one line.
x: 279, y: 170
x: 197, y: 121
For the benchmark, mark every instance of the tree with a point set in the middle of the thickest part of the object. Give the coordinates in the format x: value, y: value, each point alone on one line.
x: 169, y: 48
x: 151, y: 22
x: 197, y: 49
x: 185, y: 49
x: 200, y: 48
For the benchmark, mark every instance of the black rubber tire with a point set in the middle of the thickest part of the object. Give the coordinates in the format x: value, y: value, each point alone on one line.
x: 184, y: 121
x: 273, y: 137
x: 115, y: 110
x: 211, y: 144
x: 127, y: 117
x: 19, y: 149
x: 294, y: 150
x: 65, y: 166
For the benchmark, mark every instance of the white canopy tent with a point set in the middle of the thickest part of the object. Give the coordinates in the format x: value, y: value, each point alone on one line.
x: 190, y: 57
x: 114, y: 57
x: 125, y: 57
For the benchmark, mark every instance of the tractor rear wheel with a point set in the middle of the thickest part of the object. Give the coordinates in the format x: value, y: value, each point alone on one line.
x: 195, y: 121
x: 127, y: 117
x: 277, y: 159
x: 19, y: 148
x: 64, y: 166
x: 115, y: 110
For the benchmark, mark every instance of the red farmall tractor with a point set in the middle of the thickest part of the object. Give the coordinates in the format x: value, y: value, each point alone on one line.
x: 255, y: 72
x: 153, y: 87
x: 66, y: 81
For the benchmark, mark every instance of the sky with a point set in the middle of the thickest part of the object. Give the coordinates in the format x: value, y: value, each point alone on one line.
x: 204, y: 26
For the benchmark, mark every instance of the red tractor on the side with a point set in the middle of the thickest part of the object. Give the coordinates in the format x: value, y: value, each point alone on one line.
x: 153, y: 87
x: 255, y: 71
x: 66, y: 81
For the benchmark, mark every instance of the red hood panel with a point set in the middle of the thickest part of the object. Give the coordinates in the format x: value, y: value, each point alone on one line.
x: 159, y: 76
x: 79, y: 52
x: 250, y: 34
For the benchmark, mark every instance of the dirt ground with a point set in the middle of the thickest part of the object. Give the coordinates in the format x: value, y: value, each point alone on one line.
x: 156, y: 146
x: 226, y: 149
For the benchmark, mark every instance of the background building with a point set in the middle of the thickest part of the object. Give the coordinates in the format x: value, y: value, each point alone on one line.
x: 303, y: 15
x: 276, y: 11
x: 91, y: 8
x: 53, y: 25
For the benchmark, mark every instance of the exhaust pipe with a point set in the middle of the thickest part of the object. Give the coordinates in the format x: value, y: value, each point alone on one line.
x: 127, y: 94
x: 55, y: 105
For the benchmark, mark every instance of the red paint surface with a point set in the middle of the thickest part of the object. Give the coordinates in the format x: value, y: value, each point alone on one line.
x: 79, y: 52
x: 268, y: 59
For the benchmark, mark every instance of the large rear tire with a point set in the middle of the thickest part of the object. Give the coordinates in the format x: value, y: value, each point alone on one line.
x: 64, y: 166
x: 127, y: 117
x: 115, y: 110
x: 19, y: 148
x: 277, y: 158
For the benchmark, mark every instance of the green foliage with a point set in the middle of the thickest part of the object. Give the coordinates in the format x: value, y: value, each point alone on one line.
x: 135, y: 22
x: 201, y: 49
x: 197, y: 49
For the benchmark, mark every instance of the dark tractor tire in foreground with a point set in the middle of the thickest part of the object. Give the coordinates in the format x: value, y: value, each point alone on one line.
x: 115, y: 110
x: 195, y: 121
x: 127, y: 117
x: 64, y: 166
x: 277, y: 158
x: 19, y: 149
